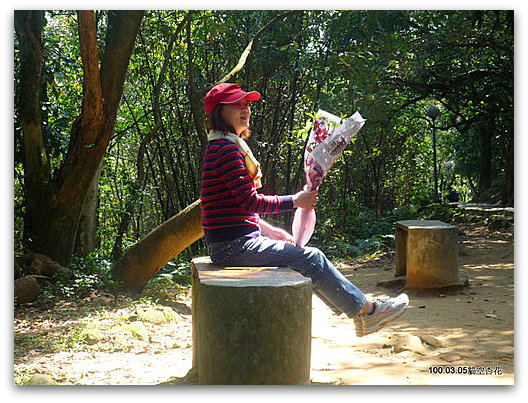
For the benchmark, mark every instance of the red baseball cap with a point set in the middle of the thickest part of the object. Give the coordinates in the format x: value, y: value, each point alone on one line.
x: 226, y: 93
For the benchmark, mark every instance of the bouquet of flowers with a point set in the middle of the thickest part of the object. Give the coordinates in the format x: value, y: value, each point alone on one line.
x: 327, y: 139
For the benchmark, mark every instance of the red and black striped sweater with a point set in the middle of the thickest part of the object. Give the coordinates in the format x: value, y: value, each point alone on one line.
x: 229, y: 200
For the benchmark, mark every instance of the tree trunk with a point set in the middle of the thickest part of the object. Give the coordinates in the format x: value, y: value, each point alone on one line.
x: 86, y: 241
x: 144, y: 260
x: 54, y: 206
x: 28, y: 27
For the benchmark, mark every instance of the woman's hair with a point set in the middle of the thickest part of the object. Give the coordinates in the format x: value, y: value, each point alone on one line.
x: 216, y: 122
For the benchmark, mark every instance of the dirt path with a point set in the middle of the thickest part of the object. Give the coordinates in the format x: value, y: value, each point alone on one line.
x: 469, y: 332
x: 473, y: 328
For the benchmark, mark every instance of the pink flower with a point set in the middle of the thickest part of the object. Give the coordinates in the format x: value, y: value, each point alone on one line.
x: 320, y: 129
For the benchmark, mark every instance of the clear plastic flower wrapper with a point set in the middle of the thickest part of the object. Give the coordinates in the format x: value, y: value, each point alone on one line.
x: 328, y: 138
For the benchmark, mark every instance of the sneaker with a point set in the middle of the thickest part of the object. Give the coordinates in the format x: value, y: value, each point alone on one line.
x: 385, y: 310
x: 359, y: 325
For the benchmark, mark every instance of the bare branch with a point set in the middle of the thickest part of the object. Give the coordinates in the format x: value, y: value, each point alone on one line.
x: 247, y: 51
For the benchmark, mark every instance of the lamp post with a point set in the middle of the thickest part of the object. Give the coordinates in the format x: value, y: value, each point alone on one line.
x: 433, y: 113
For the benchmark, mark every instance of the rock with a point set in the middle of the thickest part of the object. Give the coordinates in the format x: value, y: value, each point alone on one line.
x: 430, y: 340
x: 170, y: 315
x: 92, y: 336
x: 139, y: 330
x: 41, y: 379
x: 41, y: 265
x: 27, y: 289
x: 103, y: 299
x: 410, y: 343
x: 18, y: 268
x: 156, y: 315
x: 450, y: 357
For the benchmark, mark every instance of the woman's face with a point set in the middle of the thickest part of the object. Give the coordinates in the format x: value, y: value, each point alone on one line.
x: 237, y: 115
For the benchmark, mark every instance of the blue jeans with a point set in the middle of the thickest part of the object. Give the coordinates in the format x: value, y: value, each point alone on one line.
x: 328, y: 283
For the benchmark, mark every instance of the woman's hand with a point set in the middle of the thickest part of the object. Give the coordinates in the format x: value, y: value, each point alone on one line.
x: 306, y: 199
x: 281, y: 235
x: 275, y: 233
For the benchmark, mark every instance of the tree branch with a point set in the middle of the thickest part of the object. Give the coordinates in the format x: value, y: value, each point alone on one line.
x: 92, y: 105
x: 164, y: 67
x: 122, y: 29
x: 247, y: 50
x: 194, y: 95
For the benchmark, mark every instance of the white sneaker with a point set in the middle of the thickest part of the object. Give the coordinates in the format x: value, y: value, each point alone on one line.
x: 385, y: 310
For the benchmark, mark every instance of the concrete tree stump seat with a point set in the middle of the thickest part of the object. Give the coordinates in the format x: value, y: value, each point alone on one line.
x: 427, y: 254
x: 251, y: 325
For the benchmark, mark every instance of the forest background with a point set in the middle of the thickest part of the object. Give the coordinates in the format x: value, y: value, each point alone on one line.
x: 109, y: 126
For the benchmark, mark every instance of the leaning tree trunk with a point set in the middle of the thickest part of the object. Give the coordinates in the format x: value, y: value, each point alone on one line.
x: 143, y: 260
x: 54, y: 204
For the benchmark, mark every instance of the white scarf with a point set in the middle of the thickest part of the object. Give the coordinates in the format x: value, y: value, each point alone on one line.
x: 252, y: 165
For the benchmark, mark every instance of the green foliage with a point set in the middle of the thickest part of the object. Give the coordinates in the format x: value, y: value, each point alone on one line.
x: 497, y: 222
x: 88, y: 275
x: 437, y: 211
x: 67, y: 339
x: 339, y: 249
x: 92, y: 272
x: 362, y: 234
x: 179, y: 273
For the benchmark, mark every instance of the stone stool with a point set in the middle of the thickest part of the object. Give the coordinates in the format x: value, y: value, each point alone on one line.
x: 251, y: 325
x: 427, y: 253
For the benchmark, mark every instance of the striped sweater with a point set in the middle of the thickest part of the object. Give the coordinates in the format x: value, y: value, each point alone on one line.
x: 229, y: 200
